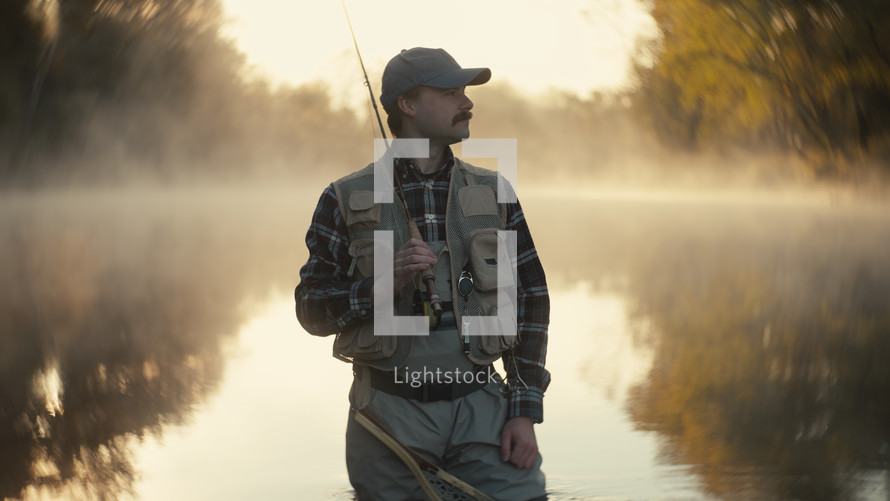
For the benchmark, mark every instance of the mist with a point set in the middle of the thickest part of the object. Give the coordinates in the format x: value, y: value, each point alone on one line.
x: 117, y: 93
x: 154, y: 195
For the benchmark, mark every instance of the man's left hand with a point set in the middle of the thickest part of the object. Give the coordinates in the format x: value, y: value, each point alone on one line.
x: 518, y: 443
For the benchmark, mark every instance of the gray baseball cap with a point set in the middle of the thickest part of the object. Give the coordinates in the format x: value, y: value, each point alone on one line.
x: 423, y: 66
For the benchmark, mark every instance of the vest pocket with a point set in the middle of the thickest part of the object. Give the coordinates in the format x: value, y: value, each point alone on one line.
x: 362, y: 210
x: 477, y: 200
x: 496, y: 344
x: 482, y: 253
x: 361, y: 343
x: 362, y: 252
x: 483, y: 258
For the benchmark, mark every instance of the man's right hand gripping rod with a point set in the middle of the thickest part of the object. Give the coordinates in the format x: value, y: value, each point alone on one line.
x: 427, y: 275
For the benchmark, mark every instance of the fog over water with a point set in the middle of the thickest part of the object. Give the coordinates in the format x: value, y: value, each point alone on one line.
x: 734, y: 346
x: 715, y: 236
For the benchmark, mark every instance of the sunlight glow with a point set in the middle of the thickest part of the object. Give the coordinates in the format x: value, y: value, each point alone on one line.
x: 578, y: 45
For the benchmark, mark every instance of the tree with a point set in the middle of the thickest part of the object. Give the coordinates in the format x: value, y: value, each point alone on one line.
x: 810, y: 77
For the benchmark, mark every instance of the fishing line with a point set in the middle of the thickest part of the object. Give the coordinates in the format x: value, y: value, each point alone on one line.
x: 365, y: 73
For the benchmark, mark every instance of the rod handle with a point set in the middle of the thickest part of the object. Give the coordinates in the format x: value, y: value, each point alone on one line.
x: 427, y: 275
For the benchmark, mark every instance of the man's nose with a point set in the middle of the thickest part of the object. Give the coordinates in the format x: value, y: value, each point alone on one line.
x: 466, y: 104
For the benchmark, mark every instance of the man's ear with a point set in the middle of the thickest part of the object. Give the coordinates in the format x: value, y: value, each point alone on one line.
x: 407, y: 106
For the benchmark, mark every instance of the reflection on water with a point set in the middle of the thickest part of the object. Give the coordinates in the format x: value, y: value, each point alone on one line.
x: 769, y: 329
x: 274, y: 430
x: 114, y: 312
x: 700, y: 350
x: 770, y: 344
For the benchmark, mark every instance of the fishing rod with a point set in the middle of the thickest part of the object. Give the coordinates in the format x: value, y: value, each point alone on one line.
x: 429, y: 279
x: 365, y: 73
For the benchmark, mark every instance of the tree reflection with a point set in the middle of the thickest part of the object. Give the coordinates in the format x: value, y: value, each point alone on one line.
x: 113, y: 319
x: 770, y: 340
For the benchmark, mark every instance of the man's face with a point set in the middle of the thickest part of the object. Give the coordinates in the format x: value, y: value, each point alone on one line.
x: 443, y: 114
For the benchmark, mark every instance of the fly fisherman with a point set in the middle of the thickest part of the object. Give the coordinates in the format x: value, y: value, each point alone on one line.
x: 437, y: 393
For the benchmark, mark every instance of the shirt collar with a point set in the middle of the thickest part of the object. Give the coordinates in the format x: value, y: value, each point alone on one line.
x: 407, y: 167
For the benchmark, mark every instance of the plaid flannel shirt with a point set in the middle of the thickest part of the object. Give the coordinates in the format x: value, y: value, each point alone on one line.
x: 328, y: 302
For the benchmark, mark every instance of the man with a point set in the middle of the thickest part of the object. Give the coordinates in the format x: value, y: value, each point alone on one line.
x: 478, y: 428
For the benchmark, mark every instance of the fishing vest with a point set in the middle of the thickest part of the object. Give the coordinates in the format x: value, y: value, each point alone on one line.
x: 472, y: 218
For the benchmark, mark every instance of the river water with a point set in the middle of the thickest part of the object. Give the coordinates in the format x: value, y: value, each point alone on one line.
x: 703, y: 346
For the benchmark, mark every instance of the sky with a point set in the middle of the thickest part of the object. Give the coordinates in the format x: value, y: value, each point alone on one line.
x: 571, y: 45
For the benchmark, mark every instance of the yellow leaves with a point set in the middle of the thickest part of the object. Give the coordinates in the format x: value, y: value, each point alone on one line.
x: 738, y: 72
x: 769, y: 346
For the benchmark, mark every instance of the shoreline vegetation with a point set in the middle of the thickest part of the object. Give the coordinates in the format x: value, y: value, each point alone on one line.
x: 731, y: 94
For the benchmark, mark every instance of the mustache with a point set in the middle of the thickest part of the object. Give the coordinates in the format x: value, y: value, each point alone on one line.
x: 464, y: 115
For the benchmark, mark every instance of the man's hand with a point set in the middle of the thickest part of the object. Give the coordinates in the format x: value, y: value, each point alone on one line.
x: 414, y: 256
x: 518, y: 444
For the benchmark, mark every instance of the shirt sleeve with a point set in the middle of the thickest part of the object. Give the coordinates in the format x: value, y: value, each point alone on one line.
x: 327, y: 300
x: 525, y: 366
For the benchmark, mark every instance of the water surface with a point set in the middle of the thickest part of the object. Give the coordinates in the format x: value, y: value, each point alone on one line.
x: 701, y: 348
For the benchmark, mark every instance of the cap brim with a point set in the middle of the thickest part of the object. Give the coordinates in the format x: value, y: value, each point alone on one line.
x: 460, y: 78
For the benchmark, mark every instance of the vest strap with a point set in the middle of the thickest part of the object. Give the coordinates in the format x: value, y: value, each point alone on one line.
x: 471, y: 179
